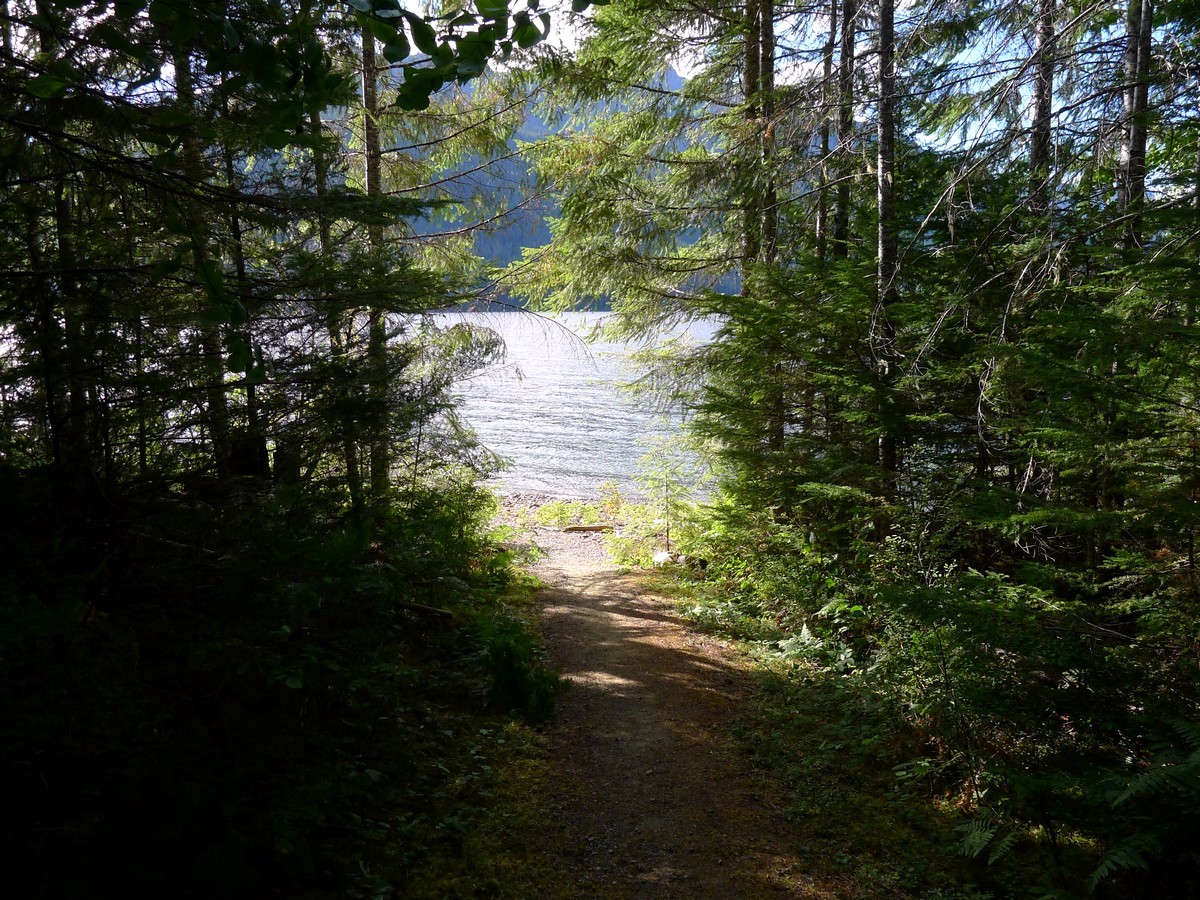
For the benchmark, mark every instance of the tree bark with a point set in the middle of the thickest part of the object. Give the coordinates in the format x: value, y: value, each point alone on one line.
x: 6, y: 42
x: 377, y: 362
x: 1139, y: 22
x: 1043, y: 96
x: 822, y: 227
x: 845, y: 131
x: 752, y: 60
x: 768, y: 203
x: 333, y: 324
x: 766, y: 75
x: 883, y: 331
x: 217, y: 411
x: 255, y: 436
x: 49, y: 354
x: 78, y: 451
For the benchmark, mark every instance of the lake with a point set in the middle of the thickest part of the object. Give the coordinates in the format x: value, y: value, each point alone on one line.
x: 555, y: 408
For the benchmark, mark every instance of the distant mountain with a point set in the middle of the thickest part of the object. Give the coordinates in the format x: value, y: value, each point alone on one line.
x: 508, y: 182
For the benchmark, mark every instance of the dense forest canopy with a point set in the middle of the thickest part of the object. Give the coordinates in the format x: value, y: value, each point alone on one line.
x: 952, y: 404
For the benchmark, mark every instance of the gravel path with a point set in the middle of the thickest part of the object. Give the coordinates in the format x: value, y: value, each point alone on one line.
x: 648, y: 795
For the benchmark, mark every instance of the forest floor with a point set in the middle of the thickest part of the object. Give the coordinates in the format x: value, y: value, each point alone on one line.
x: 646, y: 793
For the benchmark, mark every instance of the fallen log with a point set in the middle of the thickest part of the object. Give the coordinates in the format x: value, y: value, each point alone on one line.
x: 422, y: 608
x: 588, y: 528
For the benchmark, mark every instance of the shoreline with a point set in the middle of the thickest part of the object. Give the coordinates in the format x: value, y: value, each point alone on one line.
x: 535, y: 499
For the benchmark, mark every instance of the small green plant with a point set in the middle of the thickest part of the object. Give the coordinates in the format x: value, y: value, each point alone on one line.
x: 561, y: 513
x: 1161, y: 802
x: 611, y: 502
x: 638, y: 537
x: 985, y: 833
x: 671, y: 474
x: 519, y: 678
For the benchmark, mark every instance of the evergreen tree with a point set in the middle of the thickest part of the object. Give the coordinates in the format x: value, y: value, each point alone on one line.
x: 235, y: 487
x: 950, y: 249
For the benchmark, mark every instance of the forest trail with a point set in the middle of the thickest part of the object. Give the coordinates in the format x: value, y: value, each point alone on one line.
x: 648, y: 795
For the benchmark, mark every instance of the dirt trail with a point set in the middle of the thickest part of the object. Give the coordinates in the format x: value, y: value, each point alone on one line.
x: 650, y: 794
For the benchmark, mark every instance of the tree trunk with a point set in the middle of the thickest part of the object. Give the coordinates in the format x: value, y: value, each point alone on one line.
x: 6, y: 41
x: 769, y: 207
x: 255, y: 442
x: 752, y: 222
x: 1139, y: 22
x: 766, y: 80
x: 845, y: 131
x: 78, y: 453
x: 49, y: 353
x: 822, y: 229
x: 883, y: 331
x: 337, y: 346
x: 377, y: 362
x: 217, y: 412
x: 1043, y: 96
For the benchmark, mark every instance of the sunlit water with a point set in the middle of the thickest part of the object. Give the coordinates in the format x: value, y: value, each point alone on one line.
x: 555, y: 408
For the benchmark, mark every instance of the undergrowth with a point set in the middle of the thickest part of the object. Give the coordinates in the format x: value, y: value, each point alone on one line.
x: 641, y: 527
x: 248, y: 696
x: 941, y: 729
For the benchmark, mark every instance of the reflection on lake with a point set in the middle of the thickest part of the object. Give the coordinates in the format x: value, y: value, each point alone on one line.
x: 554, y: 407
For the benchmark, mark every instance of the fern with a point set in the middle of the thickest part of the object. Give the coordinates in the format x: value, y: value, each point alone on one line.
x: 976, y: 835
x: 980, y: 834
x: 1179, y: 777
x: 1183, y: 776
x: 1002, y: 848
x: 1130, y: 853
x: 1189, y: 731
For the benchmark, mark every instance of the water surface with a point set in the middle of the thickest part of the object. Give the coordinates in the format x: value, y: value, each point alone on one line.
x: 555, y: 408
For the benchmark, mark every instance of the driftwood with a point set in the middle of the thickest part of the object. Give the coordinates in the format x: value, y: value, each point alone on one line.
x: 588, y: 528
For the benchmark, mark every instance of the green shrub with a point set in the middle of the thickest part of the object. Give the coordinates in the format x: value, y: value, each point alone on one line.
x: 1033, y: 702
x: 519, y: 679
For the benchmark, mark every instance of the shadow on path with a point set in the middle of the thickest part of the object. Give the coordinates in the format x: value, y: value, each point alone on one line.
x: 650, y: 795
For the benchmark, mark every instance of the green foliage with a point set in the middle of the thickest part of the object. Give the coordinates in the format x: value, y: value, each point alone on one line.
x: 1133, y: 852
x: 981, y: 834
x: 1156, y: 808
x: 643, y: 533
x: 245, y: 531
x: 268, y: 690
x: 961, y: 502
x: 1005, y: 701
x: 671, y: 472
x: 561, y: 513
x: 833, y: 744
x: 973, y: 499
x: 520, y: 680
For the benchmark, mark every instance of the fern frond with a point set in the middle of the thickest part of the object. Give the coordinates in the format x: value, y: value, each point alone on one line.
x: 1129, y: 853
x: 1153, y: 782
x: 980, y: 834
x: 1189, y: 731
x: 1002, y: 848
x: 976, y: 835
x: 1182, y: 776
